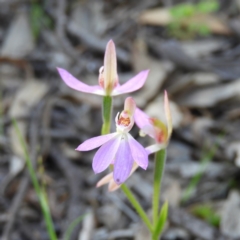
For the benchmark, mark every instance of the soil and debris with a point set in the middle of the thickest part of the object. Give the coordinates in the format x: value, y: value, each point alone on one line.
x: 195, y: 58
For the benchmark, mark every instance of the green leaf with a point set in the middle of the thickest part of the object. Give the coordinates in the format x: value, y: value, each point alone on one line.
x: 207, y: 6
x: 72, y: 225
x: 182, y: 10
x: 160, y: 158
x: 39, y: 191
x: 38, y: 18
x: 206, y: 212
x: 161, y: 220
x: 204, y: 30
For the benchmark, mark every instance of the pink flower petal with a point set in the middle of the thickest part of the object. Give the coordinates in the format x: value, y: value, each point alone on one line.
x: 155, y: 148
x: 110, y: 67
x: 141, y: 118
x: 131, y: 85
x: 95, y: 142
x: 129, y: 106
x: 123, y: 163
x: 139, y: 153
x: 105, y: 155
x: 74, y: 83
x: 168, y: 114
x: 107, y: 179
x: 113, y: 186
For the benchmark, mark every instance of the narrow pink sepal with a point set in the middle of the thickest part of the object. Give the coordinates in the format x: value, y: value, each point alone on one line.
x: 95, y: 142
x: 138, y: 152
x: 105, y: 154
x: 105, y: 180
x: 112, y: 186
x: 110, y: 67
x: 168, y: 114
x: 131, y: 85
x: 108, y: 179
x: 155, y: 148
x: 129, y: 106
x: 141, y: 118
x: 76, y: 84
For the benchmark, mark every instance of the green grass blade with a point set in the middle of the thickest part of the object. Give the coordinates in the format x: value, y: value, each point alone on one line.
x: 39, y: 191
x: 72, y: 225
x: 161, y: 221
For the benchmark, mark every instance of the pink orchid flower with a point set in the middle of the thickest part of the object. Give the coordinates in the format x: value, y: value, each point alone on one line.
x: 118, y: 148
x: 108, y: 77
x: 154, y: 127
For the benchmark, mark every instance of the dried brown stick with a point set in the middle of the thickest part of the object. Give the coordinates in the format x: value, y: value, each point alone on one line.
x: 85, y: 36
x: 95, y: 43
x: 60, y: 30
x: 15, y: 207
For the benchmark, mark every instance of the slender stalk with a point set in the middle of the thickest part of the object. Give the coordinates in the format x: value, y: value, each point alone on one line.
x: 161, y: 221
x: 72, y: 225
x: 160, y: 157
x: 40, y: 193
x: 137, y: 206
x: 107, y: 114
x: 154, y: 237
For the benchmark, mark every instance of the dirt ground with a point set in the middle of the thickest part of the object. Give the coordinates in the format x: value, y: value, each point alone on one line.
x: 193, y: 54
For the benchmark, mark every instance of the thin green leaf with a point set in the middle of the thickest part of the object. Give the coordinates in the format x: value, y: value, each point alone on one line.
x: 160, y: 158
x: 161, y: 220
x: 39, y: 191
x: 208, y: 6
x: 72, y: 225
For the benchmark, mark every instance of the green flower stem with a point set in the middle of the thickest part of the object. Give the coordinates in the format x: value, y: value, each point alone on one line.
x: 40, y: 192
x: 137, y: 206
x: 160, y: 157
x: 107, y: 114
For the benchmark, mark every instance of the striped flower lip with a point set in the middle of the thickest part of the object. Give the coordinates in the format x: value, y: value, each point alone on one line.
x: 119, y: 148
x: 154, y: 127
x: 108, y: 77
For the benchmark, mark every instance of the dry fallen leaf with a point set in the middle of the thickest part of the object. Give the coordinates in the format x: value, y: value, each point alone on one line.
x: 230, y: 221
x: 88, y: 226
x: 30, y: 93
x: 158, y: 72
x: 210, y: 96
x: 19, y: 40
